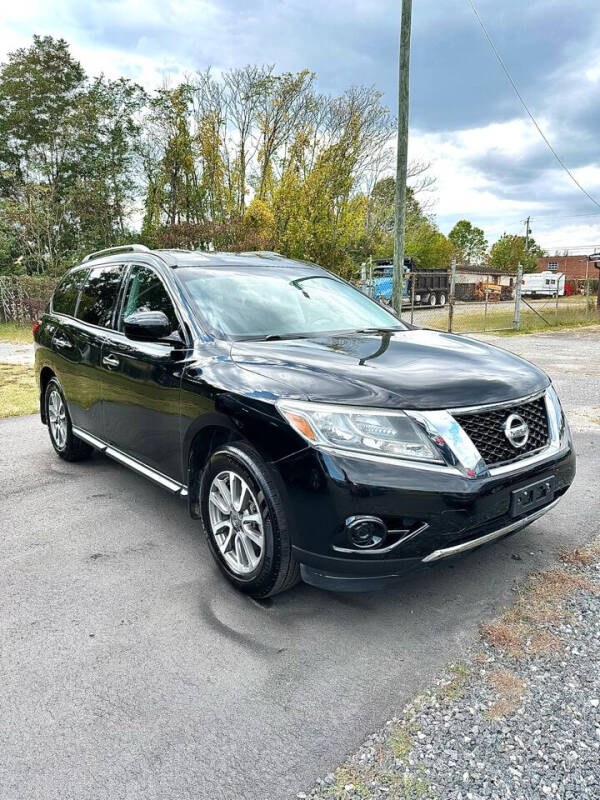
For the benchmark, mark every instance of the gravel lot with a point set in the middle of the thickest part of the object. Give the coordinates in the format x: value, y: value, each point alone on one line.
x: 130, y: 670
x: 515, y: 721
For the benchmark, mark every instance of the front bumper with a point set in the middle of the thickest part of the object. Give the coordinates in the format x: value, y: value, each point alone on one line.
x: 458, y: 514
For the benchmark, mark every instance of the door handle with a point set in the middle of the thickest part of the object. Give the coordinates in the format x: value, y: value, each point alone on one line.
x: 60, y: 342
x: 111, y: 362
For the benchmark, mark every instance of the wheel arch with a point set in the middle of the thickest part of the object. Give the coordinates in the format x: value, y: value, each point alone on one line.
x: 46, y: 374
x: 205, y: 441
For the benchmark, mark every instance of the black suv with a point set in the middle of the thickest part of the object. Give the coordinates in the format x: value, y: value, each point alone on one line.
x: 315, y: 434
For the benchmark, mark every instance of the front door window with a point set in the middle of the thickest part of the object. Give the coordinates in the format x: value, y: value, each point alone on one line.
x: 146, y: 292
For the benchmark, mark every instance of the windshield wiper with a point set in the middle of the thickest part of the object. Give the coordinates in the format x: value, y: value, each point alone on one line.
x: 379, y: 330
x: 276, y: 337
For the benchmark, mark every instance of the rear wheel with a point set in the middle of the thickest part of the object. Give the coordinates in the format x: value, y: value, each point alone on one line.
x: 432, y: 300
x: 245, y: 522
x: 442, y: 299
x: 66, y: 444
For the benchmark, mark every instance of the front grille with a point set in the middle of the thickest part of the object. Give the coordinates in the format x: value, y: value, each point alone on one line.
x: 486, y: 430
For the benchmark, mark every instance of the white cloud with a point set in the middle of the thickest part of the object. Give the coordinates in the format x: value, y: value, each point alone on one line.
x: 463, y: 191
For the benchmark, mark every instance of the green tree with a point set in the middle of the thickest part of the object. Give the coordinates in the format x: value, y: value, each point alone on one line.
x: 40, y: 90
x: 425, y: 244
x: 173, y: 194
x: 67, y: 156
x: 468, y: 242
x: 509, y: 251
x: 106, y: 185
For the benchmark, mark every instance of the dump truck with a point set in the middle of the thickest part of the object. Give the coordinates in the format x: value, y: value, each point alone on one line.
x: 431, y: 287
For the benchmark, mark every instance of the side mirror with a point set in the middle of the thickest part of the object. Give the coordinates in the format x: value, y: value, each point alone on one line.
x: 147, y: 326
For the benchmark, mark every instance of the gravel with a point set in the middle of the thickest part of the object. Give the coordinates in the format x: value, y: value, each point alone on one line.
x: 504, y: 724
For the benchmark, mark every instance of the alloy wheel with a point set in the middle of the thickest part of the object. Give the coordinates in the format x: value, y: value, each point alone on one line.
x: 236, y: 522
x: 57, y: 418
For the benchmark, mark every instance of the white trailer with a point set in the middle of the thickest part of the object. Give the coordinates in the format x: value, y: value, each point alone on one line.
x: 547, y: 284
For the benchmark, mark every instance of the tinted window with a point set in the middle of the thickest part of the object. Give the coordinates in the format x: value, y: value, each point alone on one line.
x: 146, y: 292
x: 270, y: 301
x: 99, y: 296
x: 65, y: 295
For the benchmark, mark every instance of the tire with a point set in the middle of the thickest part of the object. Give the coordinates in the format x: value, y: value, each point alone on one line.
x: 260, y: 566
x: 65, y: 443
x: 441, y: 299
x: 432, y: 300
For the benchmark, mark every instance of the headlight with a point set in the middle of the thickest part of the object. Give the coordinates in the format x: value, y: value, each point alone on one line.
x: 360, y: 430
x: 559, y: 427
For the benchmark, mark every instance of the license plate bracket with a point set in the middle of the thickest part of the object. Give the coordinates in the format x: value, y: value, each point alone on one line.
x: 532, y: 496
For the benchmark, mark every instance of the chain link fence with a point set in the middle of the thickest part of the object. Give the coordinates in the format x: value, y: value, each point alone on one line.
x: 575, y: 307
x: 474, y: 300
x: 449, y: 300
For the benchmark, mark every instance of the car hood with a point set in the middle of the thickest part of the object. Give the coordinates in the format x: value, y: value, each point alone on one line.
x: 417, y: 369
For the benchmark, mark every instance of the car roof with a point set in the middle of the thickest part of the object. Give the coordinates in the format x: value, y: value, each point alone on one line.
x: 175, y: 257
x: 200, y: 258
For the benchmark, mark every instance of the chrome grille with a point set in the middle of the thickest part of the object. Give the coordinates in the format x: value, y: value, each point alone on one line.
x: 486, y: 430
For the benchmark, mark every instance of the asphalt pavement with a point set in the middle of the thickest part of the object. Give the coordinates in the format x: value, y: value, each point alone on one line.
x: 130, y: 669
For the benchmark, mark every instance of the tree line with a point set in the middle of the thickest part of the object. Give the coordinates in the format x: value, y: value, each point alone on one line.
x: 247, y: 159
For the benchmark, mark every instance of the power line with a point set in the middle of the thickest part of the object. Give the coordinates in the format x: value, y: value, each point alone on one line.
x: 569, y: 246
x: 550, y: 216
x: 525, y: 106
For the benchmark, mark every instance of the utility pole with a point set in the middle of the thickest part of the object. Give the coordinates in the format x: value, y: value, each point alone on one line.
x: 401, y: 155
x: 527, y: 232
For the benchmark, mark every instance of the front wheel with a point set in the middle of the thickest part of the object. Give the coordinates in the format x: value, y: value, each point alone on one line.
x: 245, y: 522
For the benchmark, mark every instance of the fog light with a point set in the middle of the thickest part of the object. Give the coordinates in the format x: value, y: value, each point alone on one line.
x: 365, y: 532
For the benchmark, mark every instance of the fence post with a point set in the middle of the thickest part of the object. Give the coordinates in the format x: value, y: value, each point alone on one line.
x: 517, y: 316
x: 587, y: 288
x: 485, y: 310
x: 452, y: 291
x: 412, y: 298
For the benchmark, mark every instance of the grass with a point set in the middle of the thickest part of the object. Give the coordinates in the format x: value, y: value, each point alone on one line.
x: 18, y: 391
x: 16, y: 332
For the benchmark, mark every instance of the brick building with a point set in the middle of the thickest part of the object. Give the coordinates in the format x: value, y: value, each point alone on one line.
x: 574, y: 267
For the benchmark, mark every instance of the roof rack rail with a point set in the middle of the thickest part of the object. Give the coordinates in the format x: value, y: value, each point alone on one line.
x: 264, y: 253
x: 123, y: 248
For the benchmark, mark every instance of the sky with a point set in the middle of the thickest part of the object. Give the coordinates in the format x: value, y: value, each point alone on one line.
x: 491, y: 165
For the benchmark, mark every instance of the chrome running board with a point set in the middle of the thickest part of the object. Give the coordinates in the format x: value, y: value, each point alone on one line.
x: 463, y: 547
x: 148, y: 472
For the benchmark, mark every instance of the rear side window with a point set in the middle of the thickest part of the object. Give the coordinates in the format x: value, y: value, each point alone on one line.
x: 65, y: 294
x: 99, y: 296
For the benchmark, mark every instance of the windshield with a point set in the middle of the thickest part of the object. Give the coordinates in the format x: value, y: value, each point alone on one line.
x: 267, y: 302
